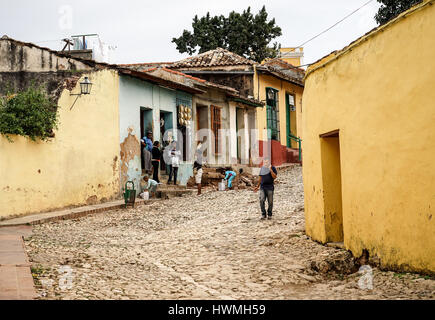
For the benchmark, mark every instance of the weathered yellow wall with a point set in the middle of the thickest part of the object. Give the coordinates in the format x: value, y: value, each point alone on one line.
x: 283, y: 87
x: 384, y: 109
x: 79, y: 166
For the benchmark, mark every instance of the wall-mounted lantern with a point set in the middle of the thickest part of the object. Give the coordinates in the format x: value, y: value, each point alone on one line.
x: 85, y: 88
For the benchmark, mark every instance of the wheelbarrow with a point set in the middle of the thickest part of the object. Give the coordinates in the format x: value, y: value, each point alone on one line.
x: 129, y: 194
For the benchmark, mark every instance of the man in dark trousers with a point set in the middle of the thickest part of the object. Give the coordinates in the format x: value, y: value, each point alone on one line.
x: 156, y: 156
x: 268, y: 174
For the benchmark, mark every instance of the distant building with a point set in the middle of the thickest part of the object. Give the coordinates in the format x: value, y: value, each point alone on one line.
x: 215, y: 108
x: 277, y: 119
x: 293, y: 56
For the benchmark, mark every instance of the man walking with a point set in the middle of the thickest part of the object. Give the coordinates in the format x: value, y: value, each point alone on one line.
x: 268, y: 174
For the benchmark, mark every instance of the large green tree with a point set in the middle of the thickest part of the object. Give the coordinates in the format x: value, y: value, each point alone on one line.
x: 245, y: 34
x: 392, y: 8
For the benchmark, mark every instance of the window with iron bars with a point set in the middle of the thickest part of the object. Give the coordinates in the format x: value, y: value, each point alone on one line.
x: 272, y: 109
x: 216, y: 125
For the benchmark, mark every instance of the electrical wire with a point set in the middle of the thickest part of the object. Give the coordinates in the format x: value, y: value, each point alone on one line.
x: 335, y: 24
x: 48, y: 41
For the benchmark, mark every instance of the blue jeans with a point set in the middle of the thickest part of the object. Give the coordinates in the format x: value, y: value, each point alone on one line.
x: 173, y: 171
x: 230, y: 181
x: 266, y: 194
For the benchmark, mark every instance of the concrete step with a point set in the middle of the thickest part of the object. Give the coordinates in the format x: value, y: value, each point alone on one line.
x: 167, y: 194
x: 293, y: 155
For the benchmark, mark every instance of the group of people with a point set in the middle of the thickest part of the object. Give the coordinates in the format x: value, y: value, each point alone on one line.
x: 153, y: 155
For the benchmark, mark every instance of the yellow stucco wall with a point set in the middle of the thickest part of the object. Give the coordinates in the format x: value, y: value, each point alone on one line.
x: 283, y: 87
x: 384, y: 111
x: 79, y: 166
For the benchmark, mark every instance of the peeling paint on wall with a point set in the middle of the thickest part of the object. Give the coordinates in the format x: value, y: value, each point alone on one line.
x: 130, y: 159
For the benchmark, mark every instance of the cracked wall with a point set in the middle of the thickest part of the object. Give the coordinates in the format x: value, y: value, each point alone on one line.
x: 79, y: 166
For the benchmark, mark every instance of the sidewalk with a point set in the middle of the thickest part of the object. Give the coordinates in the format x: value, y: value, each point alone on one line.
x: 67, y: 214
x: 16, y: 282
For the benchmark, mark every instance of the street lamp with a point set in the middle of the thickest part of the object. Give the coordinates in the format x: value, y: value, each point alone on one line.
x: 85, y: 88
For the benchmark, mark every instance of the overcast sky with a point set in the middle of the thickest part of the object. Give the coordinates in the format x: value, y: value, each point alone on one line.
x: 142, y: 30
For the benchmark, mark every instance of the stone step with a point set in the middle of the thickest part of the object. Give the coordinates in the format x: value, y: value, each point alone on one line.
x: 167, y: 194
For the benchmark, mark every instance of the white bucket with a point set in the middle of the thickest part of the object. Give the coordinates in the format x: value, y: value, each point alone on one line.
x: 222, y: 185
x: 145, y: 195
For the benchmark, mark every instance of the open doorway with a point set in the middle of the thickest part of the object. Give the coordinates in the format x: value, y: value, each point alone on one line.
x: 146, y: 125
x: 240, y: 126
x: 331, y: 176
x: 202, y: 123
x: 252, y: 138
x: 166, y: 135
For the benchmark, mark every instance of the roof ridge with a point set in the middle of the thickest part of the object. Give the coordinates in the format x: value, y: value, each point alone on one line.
x: 214, y: 57
x: 89, y: 62
x: 286, y: 63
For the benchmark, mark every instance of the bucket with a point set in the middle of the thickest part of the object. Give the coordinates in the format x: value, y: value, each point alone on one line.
x: 146, y: 195
x: 222, y: 185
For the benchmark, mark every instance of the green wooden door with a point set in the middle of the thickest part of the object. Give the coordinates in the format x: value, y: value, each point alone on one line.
x: 288, y: 124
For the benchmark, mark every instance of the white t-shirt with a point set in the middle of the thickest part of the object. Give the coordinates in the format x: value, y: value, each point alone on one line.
x: 175, y: 158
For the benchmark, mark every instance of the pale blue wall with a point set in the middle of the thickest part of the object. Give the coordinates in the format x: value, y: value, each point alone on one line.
x: 134, y: 94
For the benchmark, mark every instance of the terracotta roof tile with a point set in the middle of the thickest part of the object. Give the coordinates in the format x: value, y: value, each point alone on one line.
x: 282, y: 69
x: 212, y: 58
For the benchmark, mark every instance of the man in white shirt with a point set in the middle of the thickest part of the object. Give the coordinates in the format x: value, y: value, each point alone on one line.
x: 174, y: 162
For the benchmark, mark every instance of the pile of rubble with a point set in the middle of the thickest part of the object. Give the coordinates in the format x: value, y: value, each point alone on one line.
x: 211, y: 177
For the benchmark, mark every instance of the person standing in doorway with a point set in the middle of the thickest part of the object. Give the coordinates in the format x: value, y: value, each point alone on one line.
x: 268, y: 174
x: 156, y: 155
x: 147, y: 147
x: 197, y: 166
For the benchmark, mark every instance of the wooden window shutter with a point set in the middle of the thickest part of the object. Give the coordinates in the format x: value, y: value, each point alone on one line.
x: 218, y: 128
x: 216, y: 125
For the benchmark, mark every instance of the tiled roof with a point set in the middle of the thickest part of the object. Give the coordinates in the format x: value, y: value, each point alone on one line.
x: 144, y: 66
x: 213, y: 58
x: 282, y: 69
x: 190, y: 81
x: 182, y: 77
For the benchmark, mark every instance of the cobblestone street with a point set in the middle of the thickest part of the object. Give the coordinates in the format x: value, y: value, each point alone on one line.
x: 209, y: 247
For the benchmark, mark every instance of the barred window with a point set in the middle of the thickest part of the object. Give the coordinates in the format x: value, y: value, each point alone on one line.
x: 272, y: 109
x: 216, y: 125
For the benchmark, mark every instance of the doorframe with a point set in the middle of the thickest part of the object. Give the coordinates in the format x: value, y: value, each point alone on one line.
x: 288, y: 117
